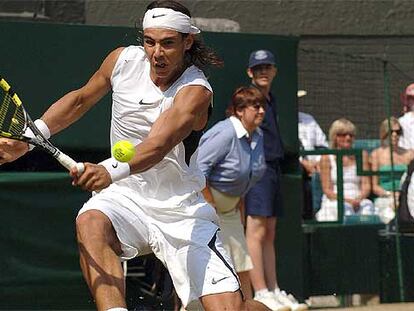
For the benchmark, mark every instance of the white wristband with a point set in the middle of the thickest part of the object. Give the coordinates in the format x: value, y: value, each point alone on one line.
x: 117, y: 170
x: 42, y: 127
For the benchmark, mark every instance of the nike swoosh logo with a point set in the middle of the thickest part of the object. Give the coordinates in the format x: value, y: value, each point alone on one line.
x: 155, y: 16
x: 142, y: 103
x: 214, y: 281
x: 115, y: 165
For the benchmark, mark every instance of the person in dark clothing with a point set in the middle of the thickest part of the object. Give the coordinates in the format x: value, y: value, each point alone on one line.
x: 263, y: 201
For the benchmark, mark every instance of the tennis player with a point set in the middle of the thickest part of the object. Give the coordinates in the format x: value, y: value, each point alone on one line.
x: 153, y: 203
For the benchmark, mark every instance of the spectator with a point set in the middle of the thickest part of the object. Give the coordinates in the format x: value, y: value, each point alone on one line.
x: 311, y: 137
x: 263, y: 201
x: 407, y: 120
x: 231, y: 157
x: 356, y: 188
x: 387, y: 187
x: 406, y: 208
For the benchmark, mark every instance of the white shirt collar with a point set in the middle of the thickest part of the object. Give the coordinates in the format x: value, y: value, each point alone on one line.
x: 241, y: 132
x: 238, y: 126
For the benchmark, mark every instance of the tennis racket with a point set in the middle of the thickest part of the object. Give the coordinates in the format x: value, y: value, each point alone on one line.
x: 14, y: 120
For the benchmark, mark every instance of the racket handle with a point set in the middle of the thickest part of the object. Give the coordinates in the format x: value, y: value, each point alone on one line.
x: 69, y: 163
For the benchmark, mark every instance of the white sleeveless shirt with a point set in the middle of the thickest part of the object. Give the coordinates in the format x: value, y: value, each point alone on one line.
x: 136, y: 104
x: 351, y: 181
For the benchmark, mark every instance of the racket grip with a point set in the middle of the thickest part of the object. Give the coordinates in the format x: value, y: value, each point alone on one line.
x: 80, y: 167
x: 69, y: 163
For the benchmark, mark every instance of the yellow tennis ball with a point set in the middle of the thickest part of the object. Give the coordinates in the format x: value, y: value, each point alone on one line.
x: 123, y: 151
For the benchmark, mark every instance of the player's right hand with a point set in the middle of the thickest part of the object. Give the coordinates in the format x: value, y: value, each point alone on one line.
x: 11, y: 150
x: 94, y: 178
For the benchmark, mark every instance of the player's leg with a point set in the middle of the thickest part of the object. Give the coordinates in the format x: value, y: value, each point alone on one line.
x: 245, y: 284
x: 222, y: 301
x: 199, y: 266
x: 99, y: 249
x: 111, y: 227
x: 231, y: 301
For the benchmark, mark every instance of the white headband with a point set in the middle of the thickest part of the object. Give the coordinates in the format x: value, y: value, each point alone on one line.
x: 168, y: 19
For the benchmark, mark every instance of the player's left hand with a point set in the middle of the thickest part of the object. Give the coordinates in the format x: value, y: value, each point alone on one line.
x: 94, y: 178
x: 11, y: 150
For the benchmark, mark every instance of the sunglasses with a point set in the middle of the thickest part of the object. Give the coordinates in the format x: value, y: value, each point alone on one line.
x: 256, y: 106
x: 398, y: 132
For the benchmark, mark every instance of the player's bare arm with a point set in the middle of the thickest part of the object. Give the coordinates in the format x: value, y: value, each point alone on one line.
x: 68, y: 109
x: 73, y: 105
x: 188, y: 113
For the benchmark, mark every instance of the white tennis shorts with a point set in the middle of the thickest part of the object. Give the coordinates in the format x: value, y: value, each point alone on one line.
x: 185, y: 239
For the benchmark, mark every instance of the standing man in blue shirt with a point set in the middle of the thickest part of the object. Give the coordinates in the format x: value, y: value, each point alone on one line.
x: 263, y: 201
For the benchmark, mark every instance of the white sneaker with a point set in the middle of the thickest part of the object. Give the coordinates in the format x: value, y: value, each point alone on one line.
x: 289, y: 300
x: 268, y: 299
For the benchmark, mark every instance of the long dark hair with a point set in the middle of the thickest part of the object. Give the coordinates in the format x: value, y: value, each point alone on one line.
x: 199, y: 54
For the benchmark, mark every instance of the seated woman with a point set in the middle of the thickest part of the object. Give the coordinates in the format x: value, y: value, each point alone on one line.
x: 387, y: 186
x: 356, y: 188
x: 231, y: 156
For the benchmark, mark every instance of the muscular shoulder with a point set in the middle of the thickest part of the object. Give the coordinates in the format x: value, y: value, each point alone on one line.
x: 132, y: 52
x: 127, y: 62
x: 127, y: 54
x: 193, y: 76
x: 109, y: 62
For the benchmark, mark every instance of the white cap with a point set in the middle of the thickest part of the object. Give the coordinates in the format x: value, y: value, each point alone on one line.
x: 302, y: 93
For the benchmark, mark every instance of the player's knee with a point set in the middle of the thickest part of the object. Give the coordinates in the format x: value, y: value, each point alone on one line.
x: 235, y: 302
x: 223, y: 301
x: 94, y: 230
x: 252, y: 305
x: 238, y: 304
x: 89, y: 224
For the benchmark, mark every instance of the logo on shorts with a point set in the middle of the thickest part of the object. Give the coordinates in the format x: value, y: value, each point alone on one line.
x: 115, y: 165
x: 214, y: 281
x: 159, y: 15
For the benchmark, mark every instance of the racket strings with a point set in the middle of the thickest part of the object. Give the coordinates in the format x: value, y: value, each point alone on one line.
x: 12, y: 118
x: 4, y: 107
